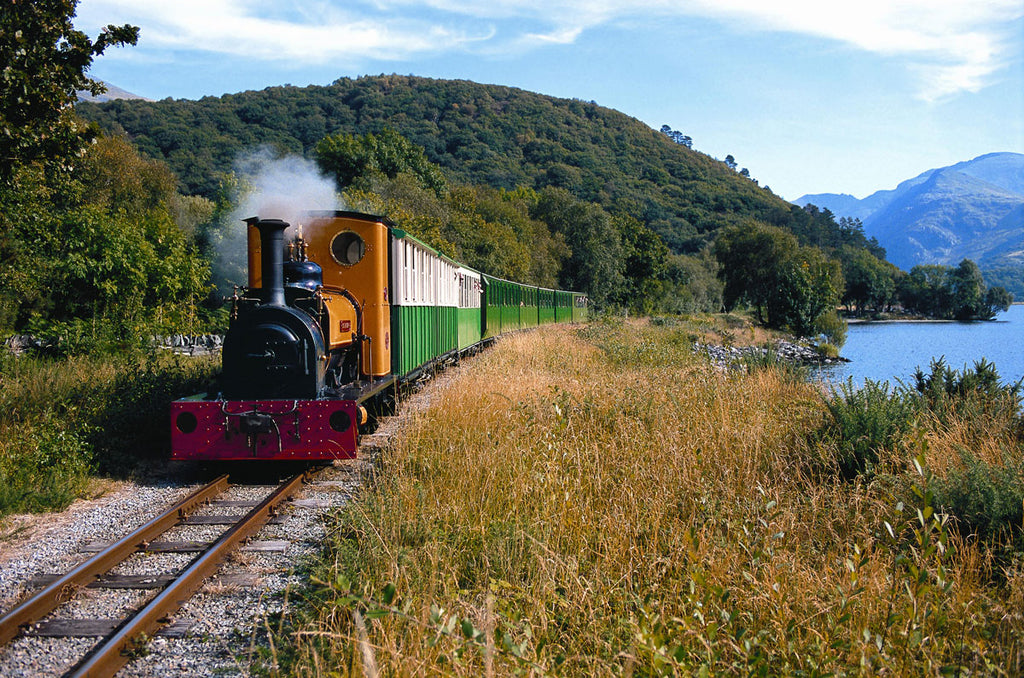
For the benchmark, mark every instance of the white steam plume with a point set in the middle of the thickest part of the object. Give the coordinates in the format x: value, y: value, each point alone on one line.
x: 269, y: 187
x: 282, y: 188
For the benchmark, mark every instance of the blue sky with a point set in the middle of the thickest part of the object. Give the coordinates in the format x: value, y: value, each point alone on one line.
x: 811, y: 96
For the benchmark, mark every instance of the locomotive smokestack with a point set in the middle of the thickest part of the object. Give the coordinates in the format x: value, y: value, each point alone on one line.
x: 271, y: 258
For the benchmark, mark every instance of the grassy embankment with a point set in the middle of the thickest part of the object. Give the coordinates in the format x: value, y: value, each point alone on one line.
x: 64, y: 422
x: 600, y: 502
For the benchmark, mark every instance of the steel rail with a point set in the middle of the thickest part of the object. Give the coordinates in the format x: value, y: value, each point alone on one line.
x: 51, y: 596
x: 113, y: 654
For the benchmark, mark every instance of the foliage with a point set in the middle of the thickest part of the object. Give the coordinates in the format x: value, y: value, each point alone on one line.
x: 479, y: 135
x: 870, y: 281
x: 982, y: 485
x: 751, y: 259
x: 44, y: 464
x: 832, y: 328
x: 349, y: 158
x: 976, y: 391
x: 87, y: 236
x: 120, y: 426
x: 1009, y: 276
x: 956, y: 293
x: 987, y: 498
x: 656, y: 191
x: 45, y: 61
x: 63, y: 420
x: 692, y: 284
x: 866, y: 423
x: 810, y: 288
x: 791, y: 286
x: 595, y: 263
x: 116, y: 255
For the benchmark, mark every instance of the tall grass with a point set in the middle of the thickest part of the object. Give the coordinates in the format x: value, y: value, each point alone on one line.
x: 600, y: 502
x: 63, y: 420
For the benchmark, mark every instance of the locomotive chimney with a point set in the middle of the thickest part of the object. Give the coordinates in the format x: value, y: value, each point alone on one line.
x: 271, y: 258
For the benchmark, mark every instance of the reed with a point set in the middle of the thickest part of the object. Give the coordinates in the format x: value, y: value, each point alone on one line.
x: 599, y: 501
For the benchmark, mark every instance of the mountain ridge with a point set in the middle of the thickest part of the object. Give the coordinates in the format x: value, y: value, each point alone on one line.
x: 971, y: 209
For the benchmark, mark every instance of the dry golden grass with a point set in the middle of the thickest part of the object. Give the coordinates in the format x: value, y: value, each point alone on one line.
x: 600, y: 502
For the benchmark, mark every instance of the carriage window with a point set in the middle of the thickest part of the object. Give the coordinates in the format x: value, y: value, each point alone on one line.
x: 348, y: 248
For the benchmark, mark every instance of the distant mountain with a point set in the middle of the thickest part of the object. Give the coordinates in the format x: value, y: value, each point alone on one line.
x: 973, y: 209
x: 113, y: 92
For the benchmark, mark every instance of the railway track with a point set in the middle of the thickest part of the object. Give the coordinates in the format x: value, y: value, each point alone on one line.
x: 126, y: 637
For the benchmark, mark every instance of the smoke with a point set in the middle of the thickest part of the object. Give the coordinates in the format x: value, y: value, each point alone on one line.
x: 269, y: 187
x: 281, y: 187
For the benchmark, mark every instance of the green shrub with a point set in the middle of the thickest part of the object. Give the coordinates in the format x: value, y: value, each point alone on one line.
x: 62, y: 419
x: 832, y: 327
x: 862, y: 422
x: 44, y: 464
x: 130, y: 418
x: 826, y: 350
x: 986, y: 499
x: 972, y: 392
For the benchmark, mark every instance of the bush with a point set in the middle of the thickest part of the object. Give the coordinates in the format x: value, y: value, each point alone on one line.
x: 130, y: 419
x: 973, y: 392
x: 44, y: 465
x: 832, y: 327
x: 830, y: 351
x: 987, y: 499
x: 61, y: 420
x: 861, y: 423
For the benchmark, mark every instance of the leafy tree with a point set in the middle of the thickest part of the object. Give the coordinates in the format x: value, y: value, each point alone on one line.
x: 44, y: 63
x: 791, y: 286
x: 925, y: 290
x: 350, y: 158
x: 967, y: 287
x: 118, y: 255
x: 677, y: 136
x: 870, y: 283
x: 693, y: 284
x: 996, y: 299
x: 809, y: 287
x: 645, y: 263
x: 594, y: 265
x: 943, y: 292
x: 751, y: 257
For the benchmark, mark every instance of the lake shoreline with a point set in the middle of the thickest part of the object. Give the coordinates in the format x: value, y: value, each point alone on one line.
x: 892, y: 349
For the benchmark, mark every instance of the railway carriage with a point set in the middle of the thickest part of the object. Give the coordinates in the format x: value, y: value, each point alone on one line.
x: 340, y: 311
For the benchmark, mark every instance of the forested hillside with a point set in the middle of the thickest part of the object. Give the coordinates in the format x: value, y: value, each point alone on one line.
x: 479, y: 134
x: 524, y: 186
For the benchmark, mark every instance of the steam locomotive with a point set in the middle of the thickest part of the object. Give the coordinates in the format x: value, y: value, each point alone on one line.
x: 339, y: 313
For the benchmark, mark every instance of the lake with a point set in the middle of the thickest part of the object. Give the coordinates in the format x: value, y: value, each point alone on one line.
x: 891, y: 350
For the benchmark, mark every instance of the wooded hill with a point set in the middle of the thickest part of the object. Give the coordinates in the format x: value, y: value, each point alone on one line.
x: 793, y: 264
x: 480, y: 134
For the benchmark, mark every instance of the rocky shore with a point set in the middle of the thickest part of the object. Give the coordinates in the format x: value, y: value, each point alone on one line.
x: 783, y: 352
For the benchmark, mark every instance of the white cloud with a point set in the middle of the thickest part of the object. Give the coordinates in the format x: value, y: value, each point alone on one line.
x: 273, y: 31
x: 952, y: 45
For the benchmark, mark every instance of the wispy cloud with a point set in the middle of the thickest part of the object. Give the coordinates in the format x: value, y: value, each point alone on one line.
x: 951, y: 45
x: 292, y: 32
